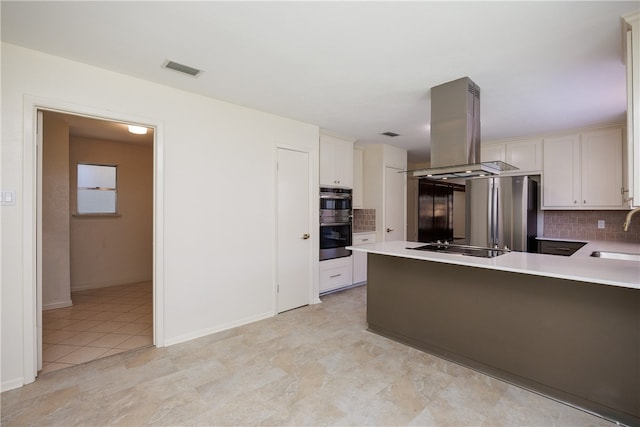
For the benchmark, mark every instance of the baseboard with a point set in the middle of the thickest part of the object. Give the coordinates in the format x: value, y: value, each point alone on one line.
x: 12, y: 384
x: 208, y: 331
x: 86, y: 286
x: 57, y: 304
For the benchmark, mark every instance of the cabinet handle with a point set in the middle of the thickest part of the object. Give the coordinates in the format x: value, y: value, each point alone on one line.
x: 575, y: 202
x: 584, y: 201
x: 305, y: 236
x: 334, y: 276
x: 389, y: 230
x: 365, y: 240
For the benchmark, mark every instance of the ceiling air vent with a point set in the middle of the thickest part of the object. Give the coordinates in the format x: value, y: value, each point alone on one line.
x: 182, y: 68
x: 390, y: 134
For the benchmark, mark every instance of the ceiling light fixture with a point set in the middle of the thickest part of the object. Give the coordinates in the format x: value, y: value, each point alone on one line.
x: 138, y: 130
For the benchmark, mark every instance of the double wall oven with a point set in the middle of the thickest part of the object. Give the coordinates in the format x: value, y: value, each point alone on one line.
x: 335, y: 222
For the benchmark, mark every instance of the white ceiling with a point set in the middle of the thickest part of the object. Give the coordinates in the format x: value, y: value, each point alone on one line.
x: 357, y: 68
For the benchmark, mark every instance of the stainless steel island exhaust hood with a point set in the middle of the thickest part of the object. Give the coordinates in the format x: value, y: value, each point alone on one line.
x: 455, y: 134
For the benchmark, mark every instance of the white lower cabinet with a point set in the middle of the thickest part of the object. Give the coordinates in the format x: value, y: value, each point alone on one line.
x: 360, y: 258
x: 335, y: 274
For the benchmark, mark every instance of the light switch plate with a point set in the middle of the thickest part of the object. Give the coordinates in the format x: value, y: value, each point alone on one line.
x: 601, y: 224
x: 8, y: 198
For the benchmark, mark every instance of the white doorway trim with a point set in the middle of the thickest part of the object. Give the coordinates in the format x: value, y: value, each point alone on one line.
x: 32, y: 282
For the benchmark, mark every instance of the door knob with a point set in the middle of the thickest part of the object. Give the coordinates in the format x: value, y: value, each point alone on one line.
x: 389, y: 230
x: 305, y: 236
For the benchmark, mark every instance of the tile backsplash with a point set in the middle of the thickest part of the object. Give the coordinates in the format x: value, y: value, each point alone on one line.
x: 584, y: 225
x: 364, y: 220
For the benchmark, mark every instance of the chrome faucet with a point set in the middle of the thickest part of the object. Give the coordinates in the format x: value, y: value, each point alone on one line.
x: 627, y: 220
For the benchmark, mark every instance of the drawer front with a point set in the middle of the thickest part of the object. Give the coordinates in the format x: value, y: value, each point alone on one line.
x: 332, y: 278
x: 363, y: 239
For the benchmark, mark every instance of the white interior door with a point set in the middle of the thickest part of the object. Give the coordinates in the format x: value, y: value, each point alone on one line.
x: 293, y: 230
x: 394, y: 197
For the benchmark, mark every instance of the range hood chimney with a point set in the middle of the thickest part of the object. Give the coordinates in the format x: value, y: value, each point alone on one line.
x: 455, y: 133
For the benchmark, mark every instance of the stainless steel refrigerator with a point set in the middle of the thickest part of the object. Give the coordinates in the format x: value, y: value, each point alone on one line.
x: 502, y: 211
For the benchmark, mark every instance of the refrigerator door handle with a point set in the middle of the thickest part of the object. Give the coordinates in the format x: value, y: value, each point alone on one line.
x: 492, y: 214
x: 496, y: 218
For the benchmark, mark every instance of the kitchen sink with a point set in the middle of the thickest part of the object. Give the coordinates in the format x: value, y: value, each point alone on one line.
x: 616, y: 255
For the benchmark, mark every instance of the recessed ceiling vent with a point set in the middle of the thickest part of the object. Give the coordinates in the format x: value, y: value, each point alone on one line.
x: 194, y: 72
x: 390, y: 134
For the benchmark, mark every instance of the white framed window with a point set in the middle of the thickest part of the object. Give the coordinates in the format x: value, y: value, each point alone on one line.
x: 97, y: 189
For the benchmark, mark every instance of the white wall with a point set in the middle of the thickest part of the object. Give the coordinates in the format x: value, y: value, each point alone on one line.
x: 107, y: 251
x: 56, y: 291
x: 219, y: 187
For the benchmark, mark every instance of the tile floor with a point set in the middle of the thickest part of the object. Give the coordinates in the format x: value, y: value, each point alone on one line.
x: 317, y: 365
x: 102, y: 322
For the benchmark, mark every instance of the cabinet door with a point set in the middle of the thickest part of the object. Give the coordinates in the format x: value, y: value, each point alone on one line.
x: 344, y: 165
x: 328, y: 153
x: 601, y: 153
x: 335, y: 274
x: 492, y: 152
x: 561, y: 172
x: 336, y: 162
x: 360, y: 258
x: 525, y: 155
x: 358, y: 179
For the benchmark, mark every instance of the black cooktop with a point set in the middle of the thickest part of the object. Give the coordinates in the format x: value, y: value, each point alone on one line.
x: 448, y: 248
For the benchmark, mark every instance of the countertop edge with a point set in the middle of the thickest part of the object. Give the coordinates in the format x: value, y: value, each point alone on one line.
x: 579, y: 267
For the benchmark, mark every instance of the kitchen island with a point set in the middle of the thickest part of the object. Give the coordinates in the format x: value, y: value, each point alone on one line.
x: 566, y: 327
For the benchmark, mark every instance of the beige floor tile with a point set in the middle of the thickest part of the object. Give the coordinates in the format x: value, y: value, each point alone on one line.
x: 90, y: 322
x: 53, y: 366
x: 61, y: 313
x: 82, y: 338
x: 82, y: 355
x: 113, y: 351
x: 132, y: 328
x: 81, y: 325
x: 136, y: 342
x: 107, y: 326
x: 80, y: 314
x: 110, y: 340
x: 146, y: 319
x: 56, y: 336
x: 146, y: 309
x: 57, y: 351
x: 127, y: 317
x: 105, y: 315
x: 58, y: 324
x: 317, y: 365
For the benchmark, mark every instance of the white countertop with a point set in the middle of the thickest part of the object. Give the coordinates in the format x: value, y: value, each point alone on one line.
x: 580, y: 266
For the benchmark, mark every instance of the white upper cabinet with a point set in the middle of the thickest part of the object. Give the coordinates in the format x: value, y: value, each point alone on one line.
x: 602, y: 171
x: 631, y: 41
x: 358, y: 178
x: 336, y: 161
x: 492, y: 152
x: 526, y: 155
x: 583, y: 171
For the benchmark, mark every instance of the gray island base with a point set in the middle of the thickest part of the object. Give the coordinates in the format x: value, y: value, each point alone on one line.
x: 574, y: 341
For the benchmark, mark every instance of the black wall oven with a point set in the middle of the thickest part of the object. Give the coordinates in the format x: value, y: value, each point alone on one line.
x: 335, y: 222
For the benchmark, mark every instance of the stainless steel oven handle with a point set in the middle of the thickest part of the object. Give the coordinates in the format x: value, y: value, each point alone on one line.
x: 335, y: 196
x: 334, y: 223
